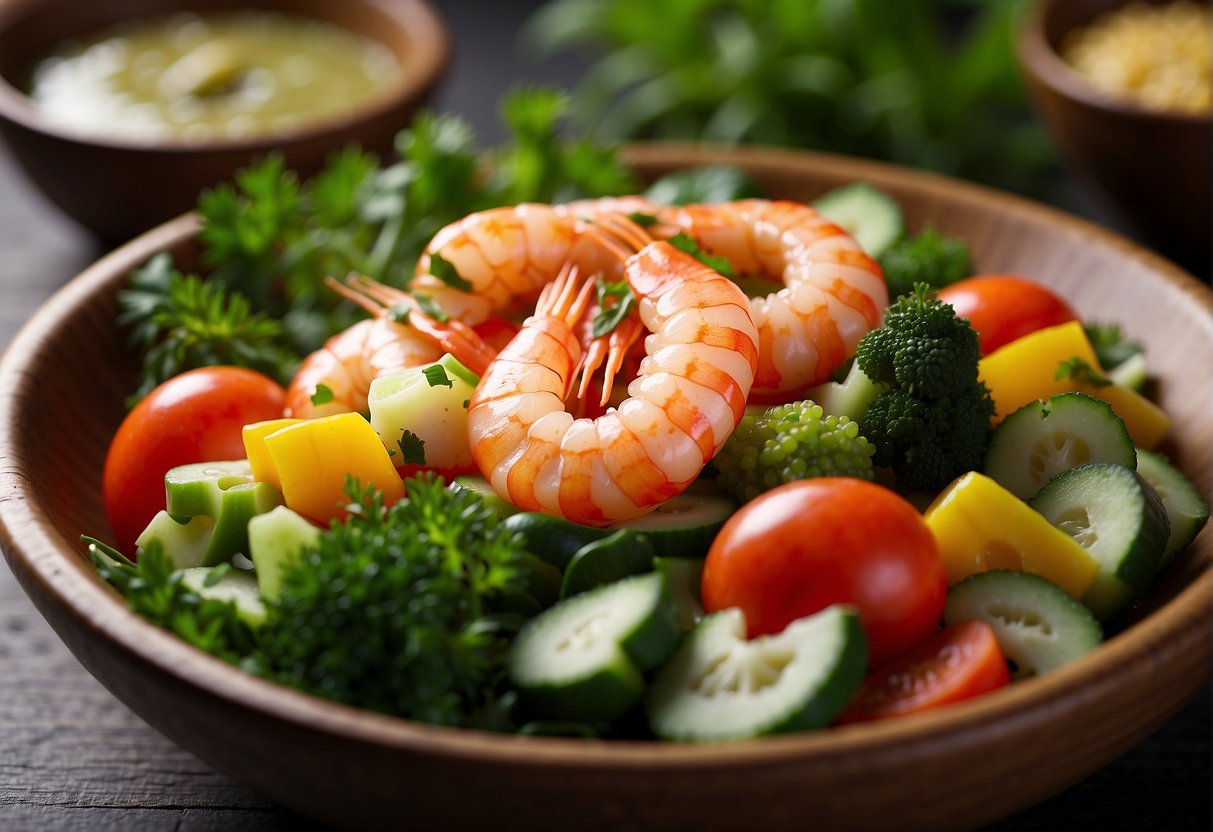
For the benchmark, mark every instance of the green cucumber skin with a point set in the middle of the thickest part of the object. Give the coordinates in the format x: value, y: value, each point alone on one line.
x: 552, y: 539
x: 612, y: 558
x: 684, y: 577
x: 1130, y: 576
x: 978, y: 597
x: 600, y: 697
x: 684, y: 526
x: 658, y: 636
x: 832, y: 697
x: 1186, y: 509
x: 865, y: 212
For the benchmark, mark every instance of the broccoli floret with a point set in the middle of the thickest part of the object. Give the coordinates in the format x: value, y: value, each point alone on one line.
x: 390, y: 610
x: 928, y: 258
x: 789, y: 442
x: 933, y: 422
x: 922, y: 347
x: 929, y: 442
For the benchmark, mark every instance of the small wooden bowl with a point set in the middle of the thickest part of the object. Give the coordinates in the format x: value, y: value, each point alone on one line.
x: 62, y: 383
x: 118, y: 187
x: 1151, y: 167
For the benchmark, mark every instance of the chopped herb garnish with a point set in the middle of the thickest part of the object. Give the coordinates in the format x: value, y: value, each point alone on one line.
x: 437, y: 376
x: 412, y: 448
x: 643, y: 219
x: 615, y: 300
x: 686, y: 244
x: 323, y: 394
x: 427, y: 305
x: 1079, y: 370
x: 445, y: 271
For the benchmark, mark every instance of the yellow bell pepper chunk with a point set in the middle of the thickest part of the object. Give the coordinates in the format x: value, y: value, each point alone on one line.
x: 980, y: 526
x: 1025, y: 369
x: 259, y: 460
x: 314, y: 456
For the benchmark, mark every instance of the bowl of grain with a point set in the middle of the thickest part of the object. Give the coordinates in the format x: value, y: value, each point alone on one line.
x: 1124, y: 89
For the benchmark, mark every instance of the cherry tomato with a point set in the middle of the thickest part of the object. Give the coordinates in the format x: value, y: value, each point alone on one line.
x: 808, y: 544
x: 956, y: 663
x: 194, y: 417
x: 1004, y: 307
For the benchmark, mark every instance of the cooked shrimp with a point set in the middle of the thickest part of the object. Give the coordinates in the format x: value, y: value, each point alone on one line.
x: 832, y: 292
x: 350, y: 360
x: 688, y: 397
x: 509, y: 254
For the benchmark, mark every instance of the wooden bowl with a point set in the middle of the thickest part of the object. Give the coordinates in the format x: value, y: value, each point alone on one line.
x: 62, y: 382
x: 118, y: 187
x: 1150, y: 167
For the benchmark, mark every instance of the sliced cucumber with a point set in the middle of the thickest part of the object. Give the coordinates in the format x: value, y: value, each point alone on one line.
x: 849, y: 398
x: 1042, y: 439
x: 1119, y: 519
x: 584, y: 659
x: 1132, y: 372
x: 684, y: 577
x: 869, y: 215
x: 275, y: 540
x: 184, y: 541
x: 1039, y: 627
x: 227, y: 585
x: 479, y: 485
x: 616, y: 556
x: 227, y: 493
x: 684, y: 526
x: 719, y: 686
x: 552, y: 539
x: 429, y: 401
x: 1186, y: 509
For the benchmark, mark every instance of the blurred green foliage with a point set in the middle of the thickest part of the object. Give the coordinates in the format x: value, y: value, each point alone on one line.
x: 926, y: 83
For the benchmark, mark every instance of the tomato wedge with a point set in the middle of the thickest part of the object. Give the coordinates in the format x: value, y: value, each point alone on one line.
x: 956, y: 663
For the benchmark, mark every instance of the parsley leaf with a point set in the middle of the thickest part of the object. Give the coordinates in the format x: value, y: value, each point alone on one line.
x: 687, y: 245
x: 412, y: 448
x: 1079, y: 370
x: 322, y: 395
x: 445, y: 271
x: 615, y: 300
x: 437, y: 377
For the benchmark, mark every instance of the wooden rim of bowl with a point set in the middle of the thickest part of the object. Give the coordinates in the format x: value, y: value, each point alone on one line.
x: 1038, y: 55
x: 49, y: 562
x: 420, y: 70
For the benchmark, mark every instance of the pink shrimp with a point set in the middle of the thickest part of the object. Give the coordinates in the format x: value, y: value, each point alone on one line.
x: 509, y: 254
x: 832, y: 292
x: 687, y: 399
x: 350, y: 360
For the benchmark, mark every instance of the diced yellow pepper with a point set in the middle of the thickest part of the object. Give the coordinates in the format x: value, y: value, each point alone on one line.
x: 980, y: 526
x: 1025, y: 369
x: 259, y: 460
x: 314, y: 456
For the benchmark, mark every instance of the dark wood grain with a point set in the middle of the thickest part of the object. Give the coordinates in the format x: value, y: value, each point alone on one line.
x: 73, y: 758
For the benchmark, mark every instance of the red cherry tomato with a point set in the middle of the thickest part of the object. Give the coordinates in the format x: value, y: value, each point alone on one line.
x: 194, y: 417
x: 956, y: 663
x: 1004, y: 307
x: 808, y: 544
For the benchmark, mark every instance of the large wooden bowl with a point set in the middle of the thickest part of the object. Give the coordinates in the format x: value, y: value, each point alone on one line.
x: 61, y: 388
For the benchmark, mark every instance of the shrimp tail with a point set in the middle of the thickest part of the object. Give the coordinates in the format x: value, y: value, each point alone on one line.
x: 450, y: 335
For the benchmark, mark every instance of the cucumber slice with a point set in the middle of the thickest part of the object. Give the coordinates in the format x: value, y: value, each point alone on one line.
x: 1042, y: 439
x: 479, y: 485
x: 614, y: 557
x: 184, y: 541
x: 552, y: 539
x: 684, y: 577
x: 1119, y: 519
x: 583, y: 659
x: 225, y: 492
x: 1132, y: 372
x: 431, y: 402
x: 849, y: 398
x: 1186, y: 509
x: 1039, y: 627
x: 869, y: 215
x: 684, y: 526
x: 275, y: 539
x: 232, y: 585
x: 719, y: 686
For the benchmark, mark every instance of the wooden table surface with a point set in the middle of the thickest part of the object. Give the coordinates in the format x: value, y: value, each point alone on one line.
x: 73, y: 758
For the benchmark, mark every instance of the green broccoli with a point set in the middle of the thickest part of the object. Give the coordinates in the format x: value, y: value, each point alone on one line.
x: 791, y: 442
x: 928, y: 258
x: 932, y: 423
x: 393, y: 610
